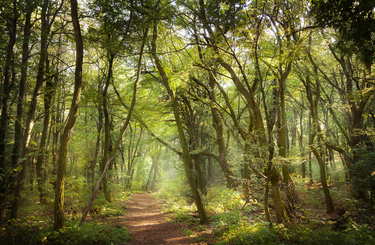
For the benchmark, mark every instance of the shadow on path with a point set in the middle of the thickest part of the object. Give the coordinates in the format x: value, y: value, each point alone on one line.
x: 148, y: 225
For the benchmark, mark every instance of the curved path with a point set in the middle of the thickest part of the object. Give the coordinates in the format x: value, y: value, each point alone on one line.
x: 148, y: 225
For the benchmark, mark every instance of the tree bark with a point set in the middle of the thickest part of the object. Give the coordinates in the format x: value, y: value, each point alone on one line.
x: 97, y: 147
x: 185, y: 149
x: 216, y: 122
x: 42, y: 146
x: 31, y: 113
x: 7, y: 82
x: 219, y: 129
x: 323, y: 178
x: 131, y: 159
x: 59, y: 222
x: 106, y: 127
x: 314, y: 129
x: 21, y: 98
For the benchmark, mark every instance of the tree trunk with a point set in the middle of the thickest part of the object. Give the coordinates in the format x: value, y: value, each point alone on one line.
x: 97, y: 147
x: 210, y: 171
x: 153, y: 182
x: 314, y: 130
x: 131, y: 160
x: 7, y: 82
x: 282, y: 139
x: 106, y: 127
x: 31, y: 113
x: 55, y: 137
x: 150, y: 174
x: 246, y: 175
x: 202, y: 180
x: 42, y: 146
x: 122, y: 132
x: 21, y: 98
x: 323, y: 178
x: 268, y: 181
x: 311, y: 141
x: 218, y: 126
x: 281, y: 213
x: 185, y: 149
x: 59, y: 222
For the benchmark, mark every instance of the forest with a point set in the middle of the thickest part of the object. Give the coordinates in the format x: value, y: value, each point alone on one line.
x: 250, y: 121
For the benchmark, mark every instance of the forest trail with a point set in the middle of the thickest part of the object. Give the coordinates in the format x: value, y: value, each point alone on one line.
x: 148, y: 225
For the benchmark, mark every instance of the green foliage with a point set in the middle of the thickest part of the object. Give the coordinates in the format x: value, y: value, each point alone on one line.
x: 180, y: 210
x: 136, y: 185
x: 201, y: 227
x: 364, y: 172
x: 225, y: 219
x: 222, y: 199
x: 354, y: 20
x: 101, y: 208
x: 36, y: 226
x: 187, y: 232
x: 74, y: 189
x: 244, y: 233
x: 38, y: 229
x: 90, y: 233
x: 200, y: 239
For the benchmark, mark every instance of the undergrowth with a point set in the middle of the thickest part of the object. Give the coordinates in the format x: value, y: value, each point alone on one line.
x: 90, y: 233
x: 261, y: 233
x: 234, y: 222
x: 36, y: 225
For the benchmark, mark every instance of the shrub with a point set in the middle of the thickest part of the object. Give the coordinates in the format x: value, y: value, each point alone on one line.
x: 90, y: 233
x: 222, y: 199
x: 245, y: 233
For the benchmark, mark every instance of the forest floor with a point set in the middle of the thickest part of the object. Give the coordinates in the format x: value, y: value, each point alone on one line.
x: 149, y: 225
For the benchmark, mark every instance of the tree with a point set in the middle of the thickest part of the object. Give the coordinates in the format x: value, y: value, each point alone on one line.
x: 185, y: 150
x: 65, y: 138
x: 355, y: 22
x: 123, y: 129
x: 45, y: 31
x: 7, y: 84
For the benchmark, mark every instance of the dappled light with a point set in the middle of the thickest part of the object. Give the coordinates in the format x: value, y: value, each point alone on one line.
x: 187, y: 122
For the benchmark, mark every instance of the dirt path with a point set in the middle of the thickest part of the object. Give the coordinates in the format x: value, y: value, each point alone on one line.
x: 148, y: 225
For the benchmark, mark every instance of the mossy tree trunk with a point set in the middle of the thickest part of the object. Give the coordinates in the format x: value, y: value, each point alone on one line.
x: 216, y: 120
x: 18, y: 125
x: 59, y: 219
x: 31, y: 113
x: 185, y: 149
x: 42, y: 146
x: 106, y: 126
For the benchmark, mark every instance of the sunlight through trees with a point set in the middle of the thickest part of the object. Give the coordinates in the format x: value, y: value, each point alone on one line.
x: 270, y: 103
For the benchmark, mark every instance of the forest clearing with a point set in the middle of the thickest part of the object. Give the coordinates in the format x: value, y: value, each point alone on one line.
x: 187, y: 122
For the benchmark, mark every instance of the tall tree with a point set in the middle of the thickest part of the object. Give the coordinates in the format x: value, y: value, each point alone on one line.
x: 355, y: 22
x: 123, y: 129
x: 6, y: 85
x: 185, y: 149
x: 46, y: 27
x: 59, y: 222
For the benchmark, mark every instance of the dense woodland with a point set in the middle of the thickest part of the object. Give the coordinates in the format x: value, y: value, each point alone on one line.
x: 264, y: 107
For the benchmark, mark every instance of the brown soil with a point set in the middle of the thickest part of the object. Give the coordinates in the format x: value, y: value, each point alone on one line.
x: 148, y: 225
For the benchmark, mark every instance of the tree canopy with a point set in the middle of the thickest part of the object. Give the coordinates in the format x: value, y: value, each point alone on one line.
x: 261, y: 107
